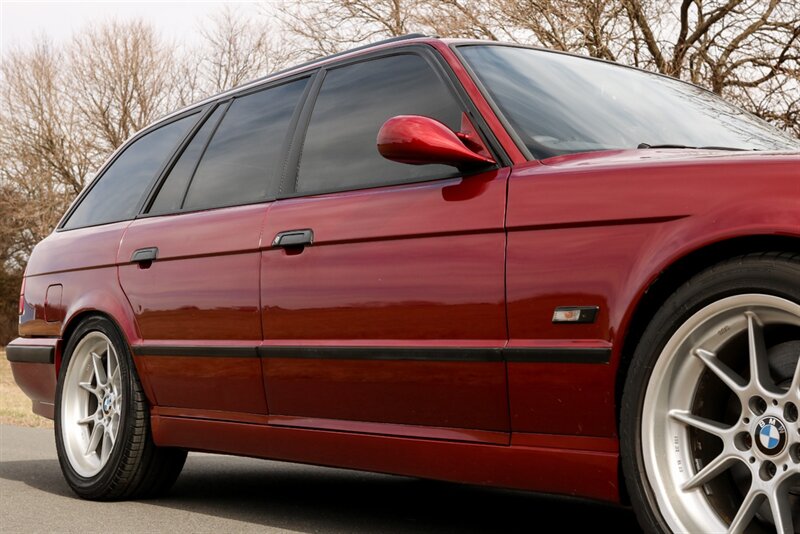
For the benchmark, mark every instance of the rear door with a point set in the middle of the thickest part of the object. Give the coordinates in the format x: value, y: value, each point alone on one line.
x: 190, y: 267
x: 387, y: 314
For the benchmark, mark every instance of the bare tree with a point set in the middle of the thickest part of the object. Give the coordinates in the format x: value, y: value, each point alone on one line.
x: 322, y: 27
x: 468, y: 19
x: 43, y: 157
x: 745, y: 50
x: 10, y: 281
x: 237, y: 50
x: 45, y: 152
x: 122, y: 77
x: 735, y: 43
x: 777, y: 100
x: 39, y: 128
x: 586, y: 26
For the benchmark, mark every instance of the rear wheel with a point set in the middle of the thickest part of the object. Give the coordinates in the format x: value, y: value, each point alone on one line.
x: 709, y: 423
x: 102, y: 422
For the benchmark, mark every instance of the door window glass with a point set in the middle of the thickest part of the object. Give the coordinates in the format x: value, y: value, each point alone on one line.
x: 170, y: 196
x: 115, y: 197
x: 340, y: 150
x: 244, y: 156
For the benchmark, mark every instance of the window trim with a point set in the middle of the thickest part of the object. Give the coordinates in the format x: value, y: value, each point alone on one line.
x: 440, y: 68
x: 226, y: 104
x: 113, y: 159
x: 512, y: 132
x: 161, y: 177
x: 272, y: 189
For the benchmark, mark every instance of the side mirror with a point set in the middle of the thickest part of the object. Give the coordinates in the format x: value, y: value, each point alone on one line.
x: 421, y: 140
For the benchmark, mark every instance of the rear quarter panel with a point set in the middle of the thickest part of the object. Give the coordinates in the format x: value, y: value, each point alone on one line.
x: 83, y: 263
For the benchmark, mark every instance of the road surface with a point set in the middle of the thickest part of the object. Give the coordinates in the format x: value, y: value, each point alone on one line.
x: 226, y: 494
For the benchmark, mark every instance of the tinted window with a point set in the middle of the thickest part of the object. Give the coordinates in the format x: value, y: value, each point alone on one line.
x: 117, y: 193
x: 170, y: 196
x: 560, y: 104
x: 340, y: 147
x: 243, y: 156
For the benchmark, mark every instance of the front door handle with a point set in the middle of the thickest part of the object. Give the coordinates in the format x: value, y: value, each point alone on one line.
x: 144, y: 255
x: 293, y: 238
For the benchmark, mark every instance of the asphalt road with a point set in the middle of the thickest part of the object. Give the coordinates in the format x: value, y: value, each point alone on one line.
x: 226, y: 494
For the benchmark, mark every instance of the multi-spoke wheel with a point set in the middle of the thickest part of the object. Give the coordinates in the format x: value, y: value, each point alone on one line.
x: 710, y: 432
x: 102, y: 420
x: 91, y: 404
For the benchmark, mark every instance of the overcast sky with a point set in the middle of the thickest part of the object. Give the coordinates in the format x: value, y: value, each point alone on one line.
x: 21, y: 21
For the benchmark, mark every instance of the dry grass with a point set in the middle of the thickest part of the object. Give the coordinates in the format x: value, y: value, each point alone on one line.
x: 15, y: 407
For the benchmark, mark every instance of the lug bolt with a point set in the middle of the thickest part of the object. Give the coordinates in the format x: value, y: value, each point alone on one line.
x: 767, y: 471
x: 757, y: 405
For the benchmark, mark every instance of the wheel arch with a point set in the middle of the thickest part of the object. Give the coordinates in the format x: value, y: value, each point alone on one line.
x: 680, y: 271
x: 129, y: 335
x: 106, y: 299
x: 669, y: 280
x: 71, y: 324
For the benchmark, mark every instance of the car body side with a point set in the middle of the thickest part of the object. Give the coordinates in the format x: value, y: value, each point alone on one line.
x: 619, y: 230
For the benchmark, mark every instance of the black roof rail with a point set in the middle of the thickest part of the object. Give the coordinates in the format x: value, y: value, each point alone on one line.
x: 378, y: 43
x: 343, y: 52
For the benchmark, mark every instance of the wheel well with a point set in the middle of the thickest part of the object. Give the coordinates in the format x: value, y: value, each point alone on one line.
x: 73, y: 324
x: 670, y: 280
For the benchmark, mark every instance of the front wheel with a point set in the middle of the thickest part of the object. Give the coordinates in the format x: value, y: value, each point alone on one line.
x: 102, y: 422
x: 709, y: 422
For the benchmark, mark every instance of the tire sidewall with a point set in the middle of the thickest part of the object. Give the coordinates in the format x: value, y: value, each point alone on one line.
x: 747, y: 275
x: 99, y: 483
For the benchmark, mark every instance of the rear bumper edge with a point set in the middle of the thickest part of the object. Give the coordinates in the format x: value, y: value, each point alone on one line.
x: 31, y: 353
x: 33, y: 366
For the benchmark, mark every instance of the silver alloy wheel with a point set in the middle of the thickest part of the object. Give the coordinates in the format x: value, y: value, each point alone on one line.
x: 91, y: 404
x: 708, y: 490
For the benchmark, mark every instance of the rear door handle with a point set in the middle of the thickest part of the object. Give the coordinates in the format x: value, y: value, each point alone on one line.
x: 144, y: 255
x: 293, y: 238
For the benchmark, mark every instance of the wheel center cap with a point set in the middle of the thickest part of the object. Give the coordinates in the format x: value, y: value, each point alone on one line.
x: 107, y: 403
x: 770, y: 435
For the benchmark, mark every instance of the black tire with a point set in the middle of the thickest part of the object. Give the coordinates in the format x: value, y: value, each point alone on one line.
x: 770, y: 273
x: 136, y: 467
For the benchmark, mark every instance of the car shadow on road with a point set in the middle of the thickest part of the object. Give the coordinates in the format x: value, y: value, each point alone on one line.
x: 44, y: 475
x: 314, y: 499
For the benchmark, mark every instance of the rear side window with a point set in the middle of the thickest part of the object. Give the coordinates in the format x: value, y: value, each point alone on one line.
x: 170, y: 196
x: 118, y: 191
x: 340, y: 149
x: 244, y: 156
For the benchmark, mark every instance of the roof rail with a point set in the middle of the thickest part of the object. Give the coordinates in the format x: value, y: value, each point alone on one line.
x: 378, y: 43
x: 343, y: 52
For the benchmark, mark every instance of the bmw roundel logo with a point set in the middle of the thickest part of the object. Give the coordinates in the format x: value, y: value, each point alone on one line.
x: 770, y: 435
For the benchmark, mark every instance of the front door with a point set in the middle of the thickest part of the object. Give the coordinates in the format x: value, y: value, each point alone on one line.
x: 383, y: 290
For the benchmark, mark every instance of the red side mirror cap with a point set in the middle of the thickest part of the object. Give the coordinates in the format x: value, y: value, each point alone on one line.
x: 418, y: 140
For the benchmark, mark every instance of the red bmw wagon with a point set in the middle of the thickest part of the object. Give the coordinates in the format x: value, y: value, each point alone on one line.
x: 458, y: 260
